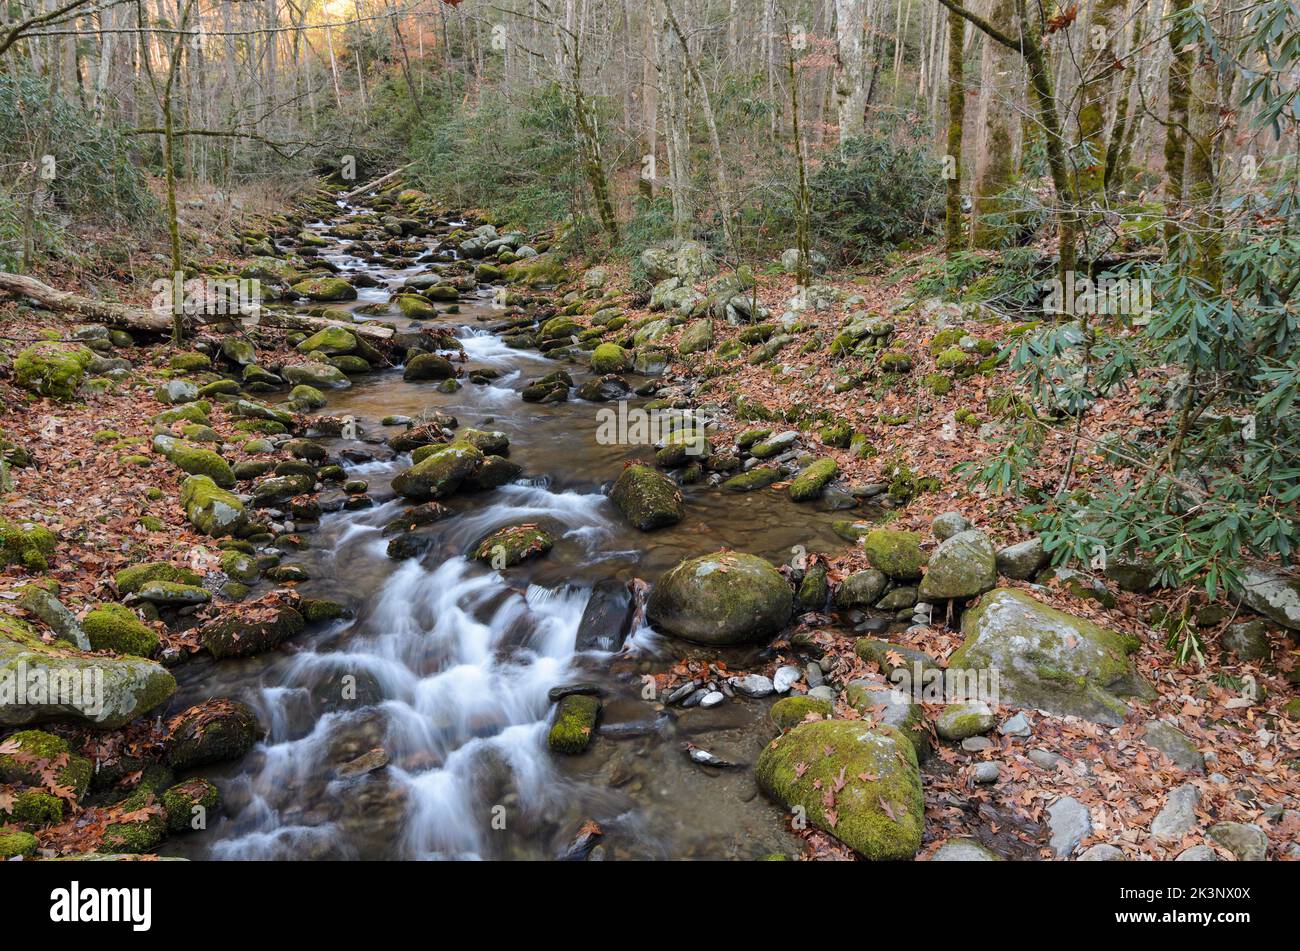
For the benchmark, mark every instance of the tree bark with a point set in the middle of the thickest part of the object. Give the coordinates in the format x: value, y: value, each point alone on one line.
x: 956, y: 118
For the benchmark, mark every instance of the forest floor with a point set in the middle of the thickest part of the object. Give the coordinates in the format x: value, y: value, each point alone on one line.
x: 113, y: 503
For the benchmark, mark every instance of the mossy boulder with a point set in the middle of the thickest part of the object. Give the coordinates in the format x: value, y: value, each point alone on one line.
x: 537, y: 271
x: 26, y: 544
x: 187, y: 805
x: 17, y: 844
x: 172, y: 594
x: 696, y: 338
x: 961, y: 567
x: 317, y: 374
x: 211, y: 732
x: 33, y: 808
x: 1049, y: 660
x: 210, y: 508
x: 760, y: 477
x: 195, y: 460
x: 428, y: 366
x: 723, y: 598
x: 860, y: 590
x: 415, y: 307
x: 306, y: 397
x: 331, y: 341
x: 38, y: 758
x: 52, y: 369
x: 314, y: 610
x: 647, y: 498
x: 126, y: 686
x: 789, y: 712
x: 131, y: 580
x: 890, y: 706
x: 325, y: 289
x: 239, y: 566
x: 878, y: 809
x: 115, y: 627
x: 897, y: 554
x: 574, y: 723
x: 250, y: 632
x: 511, y: 545
x: 610, y: 358
x: 809, y: 484
x: 439, y: 475
x: 957, y: 721
x: 190, y: 361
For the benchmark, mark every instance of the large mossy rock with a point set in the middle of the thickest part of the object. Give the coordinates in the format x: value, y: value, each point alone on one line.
x: 961, y: 567
x: 210, y: 508
x: 332, y: 341
x: 897, y: 554
x: 115, y: 627
x: 131, y: 580
x: 195, y: 460
x: 878, y: 810
x: 52, y: 369
x: 513, y: 544
x: 428, y: 366
x: 211, y: 732
x: 610, y: 358
x: 26, y: 544
x: 320, y: 375
x: 724, y: 598
x: 121, y: 688
x: 37, y: 757
x: 325, y: 289
x: 648, y: 498
x: 1049, y: 660
x: 809, y: 484
x: 439, y: 474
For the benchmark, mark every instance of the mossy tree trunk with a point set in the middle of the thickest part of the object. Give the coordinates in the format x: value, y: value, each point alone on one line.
x: 956, y: 122
x: 1202, y: 185
x: 995, y: 144
x: 1179, y: 89
x: 1120, y: 143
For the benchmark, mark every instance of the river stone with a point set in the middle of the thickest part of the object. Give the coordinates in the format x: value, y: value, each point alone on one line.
x: 885, y: 704
x: 131, y: 685
x: 440, y: 474
x: 986, y: 772
x: 897, y: 599
x: 965, y: 850
x: 57, y: 618
x: 1017, y: 725
x: 428, y: 366
x: 786, y: 677
x: 961, y: 567
x: 1175, y: 744
x: 698, y: 336
x: 948, y: 524
x: 882, y: 816
x: 814, y: 589
x: 754, y: 685
x: 1245, y: 841
x: 958, y: 721
x: 647, y: 498
x: 212, y: 732
x: 789, y: 712
x: 319, y: 375
x: 1198, y: 853
x: 574, y: 723
x: 1022, y: 561
x: 1247, y: 640
x: 607, y: 618
x: 177, y: 391
x: 860, y: 590
x: 1048, y: 660
x: 810, y: 482
x: 723, y: 598
x: 884, y: 654
x: 210, y: 508
x: 246, y: 633
x: 1178, y: 817
x: 1069, y: 822
x: 512, y: 545
x: 1102, y: 853
x: 897, y: 554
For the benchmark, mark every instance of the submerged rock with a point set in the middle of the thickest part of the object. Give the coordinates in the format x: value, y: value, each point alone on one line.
x: 859, y: 783
x: 1048, y: 660
x: 723, y: 598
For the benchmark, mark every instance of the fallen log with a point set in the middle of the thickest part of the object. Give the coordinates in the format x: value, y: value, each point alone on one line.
x: 348, y: 196
x: 143, y: 318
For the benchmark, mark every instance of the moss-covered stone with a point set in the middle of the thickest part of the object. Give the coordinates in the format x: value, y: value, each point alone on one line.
x: 610, y: 358
x: 26, y: 544
x: 190, y: 361
x: 331, y: 341
x: 789, y: 712
x: 195, y: 460
x: 511, y: 545
x: 837, y: 435
x: 16, y: 844
x: 897, y: 554
x: 137, y: 835
x: 814, y: 589
x: 250, y: 632
x: 325, y: 289
x: 647, y: 498
x: 189, y: 804
x: 33, y: 807
x: 52, y: 369
x: 961, y: 567
x: 809, y: 484
x: 115, y: 627
x: 307, y: 397
x: 1048, y: 660
x: 878, y: 810
x: 239, y: 566
x: 760, y: 477
x: 131, y: 580
x: 314, y: 610
x: 440, y: 475
x: 211, y: 732
x: 210, y: 508
x: 428, y: 366
x: 860, y: 590
x: 723, y: 598
x: 173, y: 594
x: 575, y: 721
x: 40, y: 755
x: 885, y: 704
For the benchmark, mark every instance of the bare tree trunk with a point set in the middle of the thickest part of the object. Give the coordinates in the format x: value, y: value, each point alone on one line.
x: 850, y: 72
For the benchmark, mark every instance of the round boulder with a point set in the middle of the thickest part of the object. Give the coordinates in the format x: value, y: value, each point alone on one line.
x: 724, y: 598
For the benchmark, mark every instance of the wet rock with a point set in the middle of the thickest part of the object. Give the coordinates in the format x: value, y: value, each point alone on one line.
x: 722, y: 598
x: 320, y: 375
x: 898, y: 599
x: 574, y: 723
x: 1247, y: 842
x: 1023, y: 560
x: 958, y: 721
x: 210, y: 508
x: 440, y: 474
x: 512, y: 545
x: 1048, y: 660
x: 753, y: 685
x: 116, y: 628
x: 172, y: 594
x: 189, y: 802
x: 586, y: 689
x: 367, y: 762
x: 712, y: 698
x: 961, y: 567
x: 610, y: 358
x: 758, y: 478
x: 428, y: 366
x: 1069, y: 823
x: 605, y: 389
x: 256, y: 628
x: 211, y: 732
x: 607, y: 619
x: 1178, y: 817
x: 884, y: 704
x: 409, y: 545
x: 810, y: 482
x: 647, y: 498
x: 552, y: 388
x: 965, y: 850
x: 1175, y: 744
x: 880, y: 816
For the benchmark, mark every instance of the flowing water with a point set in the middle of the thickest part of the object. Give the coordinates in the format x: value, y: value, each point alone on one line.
x: 447, y: 663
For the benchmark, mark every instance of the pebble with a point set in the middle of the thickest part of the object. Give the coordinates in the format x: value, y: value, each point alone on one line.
x: 696, y: 696
x: 1102, y: 853
x: 754, y: 685
x: 712, y: 698
x: 785, y: 678
x: 976, y: 744
x: 1069, y: 822
x: 823, y: 692
x: 1045, y: 759
x: 986, y: 772
x: 1016, y: 726
x: 813, y: 674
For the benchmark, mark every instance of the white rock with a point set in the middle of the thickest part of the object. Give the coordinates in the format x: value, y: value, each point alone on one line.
x: 785, y: 678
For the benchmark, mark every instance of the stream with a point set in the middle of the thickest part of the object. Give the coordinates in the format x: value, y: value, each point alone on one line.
x: 447, y: 663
